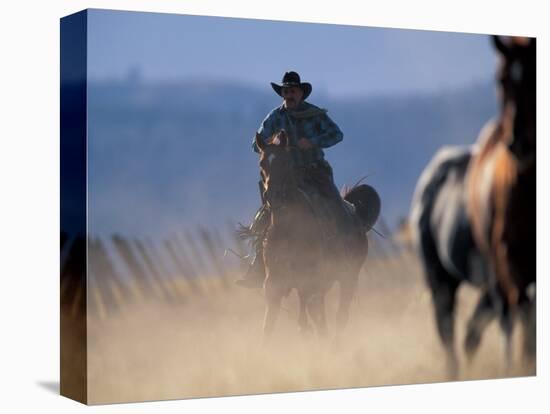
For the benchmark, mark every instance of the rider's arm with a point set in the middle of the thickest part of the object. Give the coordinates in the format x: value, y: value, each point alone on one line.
x: 330, y: 133
x: 266, y: 129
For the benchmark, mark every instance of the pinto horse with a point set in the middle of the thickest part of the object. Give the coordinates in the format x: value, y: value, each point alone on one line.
x: 469, y: 206
x: 443, y: 235
x: 501, y: 186
x: 297, y: 252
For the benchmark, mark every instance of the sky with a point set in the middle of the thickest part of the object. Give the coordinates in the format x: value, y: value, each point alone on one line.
x: 340, y: 61
x: 146, y: 187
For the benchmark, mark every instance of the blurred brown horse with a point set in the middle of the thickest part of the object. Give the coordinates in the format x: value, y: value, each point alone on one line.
x: 297, y: 253
x: 473, y: 215
x: 501, y: 185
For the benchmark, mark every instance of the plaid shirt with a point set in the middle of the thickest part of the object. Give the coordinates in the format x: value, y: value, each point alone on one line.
x: 308, y: 122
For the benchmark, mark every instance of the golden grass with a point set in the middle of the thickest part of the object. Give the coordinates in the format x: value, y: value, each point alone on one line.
x: 211, y: 345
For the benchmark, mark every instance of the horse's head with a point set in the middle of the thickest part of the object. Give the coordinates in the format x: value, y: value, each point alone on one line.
x: 276, y: 167
x: 517, y: 90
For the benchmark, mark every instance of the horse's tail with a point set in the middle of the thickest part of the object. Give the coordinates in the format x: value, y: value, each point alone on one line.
x: 367, y: 203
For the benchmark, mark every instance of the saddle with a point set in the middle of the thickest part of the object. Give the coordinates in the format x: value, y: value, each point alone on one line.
x: 336, y: 216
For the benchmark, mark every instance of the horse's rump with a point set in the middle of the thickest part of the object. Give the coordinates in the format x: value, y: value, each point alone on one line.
x: 338, y: 216
x: 433, y: 177
x: 441, y: 228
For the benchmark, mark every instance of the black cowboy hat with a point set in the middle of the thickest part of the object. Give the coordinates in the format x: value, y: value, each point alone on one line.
x: 292, y: 79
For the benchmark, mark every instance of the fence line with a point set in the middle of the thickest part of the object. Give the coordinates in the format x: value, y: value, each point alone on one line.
x: 188, y: 264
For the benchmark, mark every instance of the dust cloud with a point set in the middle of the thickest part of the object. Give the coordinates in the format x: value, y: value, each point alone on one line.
x: 209, y: 341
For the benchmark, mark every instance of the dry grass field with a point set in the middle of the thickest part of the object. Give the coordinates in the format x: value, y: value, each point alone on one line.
x: 208, y: 342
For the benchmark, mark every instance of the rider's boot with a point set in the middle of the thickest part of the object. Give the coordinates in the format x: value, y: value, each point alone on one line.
x: 255, y: 275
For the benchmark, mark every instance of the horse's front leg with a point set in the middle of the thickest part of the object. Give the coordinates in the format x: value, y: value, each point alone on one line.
x: 507, y: 327
x: 527, y: 313
x: 273, y: 297
x: 316, y: 307
x: 507, y: 291
x: 302, y: 317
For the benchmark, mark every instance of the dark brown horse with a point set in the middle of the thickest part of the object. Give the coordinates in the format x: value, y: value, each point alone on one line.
x: 473, y: 215
x: 501, y: 184
x: 301, y: 250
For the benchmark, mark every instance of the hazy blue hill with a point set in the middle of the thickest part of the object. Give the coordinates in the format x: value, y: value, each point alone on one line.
x: 166, y: 156
x: 392, y: 138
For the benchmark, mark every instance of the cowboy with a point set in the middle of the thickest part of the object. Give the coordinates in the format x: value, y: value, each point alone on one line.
x: 309, y: 129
